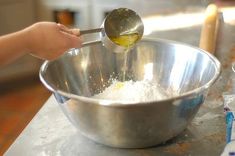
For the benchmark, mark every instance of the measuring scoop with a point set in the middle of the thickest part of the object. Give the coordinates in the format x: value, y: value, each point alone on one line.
x: 121, y: 29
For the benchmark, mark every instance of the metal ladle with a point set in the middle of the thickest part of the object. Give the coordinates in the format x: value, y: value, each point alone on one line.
x: 121, y: 29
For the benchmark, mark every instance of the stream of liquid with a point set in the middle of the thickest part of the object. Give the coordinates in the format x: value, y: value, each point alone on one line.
x: 126, y: 40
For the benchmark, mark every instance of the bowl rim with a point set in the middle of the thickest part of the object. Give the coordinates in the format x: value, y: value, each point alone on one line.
x: 121, y: 103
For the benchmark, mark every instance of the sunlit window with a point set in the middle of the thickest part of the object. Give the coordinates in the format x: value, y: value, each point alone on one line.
x: 182, y: 20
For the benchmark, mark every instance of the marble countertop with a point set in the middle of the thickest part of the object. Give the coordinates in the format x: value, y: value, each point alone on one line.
x: 51, y: 134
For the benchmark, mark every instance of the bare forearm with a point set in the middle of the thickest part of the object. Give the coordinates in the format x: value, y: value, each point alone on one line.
x: 12, y: 46
x: 46, y: 40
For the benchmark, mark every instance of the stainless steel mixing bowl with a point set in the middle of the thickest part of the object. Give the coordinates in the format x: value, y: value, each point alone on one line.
x: 81, y: 73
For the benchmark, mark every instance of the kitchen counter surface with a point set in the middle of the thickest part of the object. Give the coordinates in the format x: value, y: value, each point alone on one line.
x: 50, y: 133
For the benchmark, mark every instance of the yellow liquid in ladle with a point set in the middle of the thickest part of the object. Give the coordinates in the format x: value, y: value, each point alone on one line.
x: 126, y: 40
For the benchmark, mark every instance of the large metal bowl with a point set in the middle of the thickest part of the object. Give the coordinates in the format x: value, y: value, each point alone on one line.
x: 81, y: 73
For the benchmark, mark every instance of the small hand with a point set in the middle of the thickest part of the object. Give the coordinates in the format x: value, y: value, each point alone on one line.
x: 49, y: 40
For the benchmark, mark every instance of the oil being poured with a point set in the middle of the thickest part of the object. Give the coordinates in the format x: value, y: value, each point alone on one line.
x: 126, y: 40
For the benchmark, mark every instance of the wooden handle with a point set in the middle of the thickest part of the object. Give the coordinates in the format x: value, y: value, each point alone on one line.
x: 210, y: 29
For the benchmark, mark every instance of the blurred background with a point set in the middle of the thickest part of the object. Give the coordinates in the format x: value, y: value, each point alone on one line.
x: 22, y: 94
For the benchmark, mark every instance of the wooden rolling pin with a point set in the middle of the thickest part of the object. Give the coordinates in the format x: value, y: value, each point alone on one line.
x: 210, y: 29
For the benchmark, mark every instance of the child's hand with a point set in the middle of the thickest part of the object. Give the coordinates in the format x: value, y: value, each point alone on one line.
x: 49, y: 40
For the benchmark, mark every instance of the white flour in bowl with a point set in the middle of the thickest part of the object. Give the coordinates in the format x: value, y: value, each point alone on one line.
x: 133, y: 91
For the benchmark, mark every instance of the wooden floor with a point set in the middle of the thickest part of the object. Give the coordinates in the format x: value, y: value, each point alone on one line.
x: 18, y: 106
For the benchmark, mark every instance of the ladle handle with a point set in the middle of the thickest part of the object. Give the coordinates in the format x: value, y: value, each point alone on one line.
x: 82, y: 32
x: 90, y: 43
x: 210, y: 29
